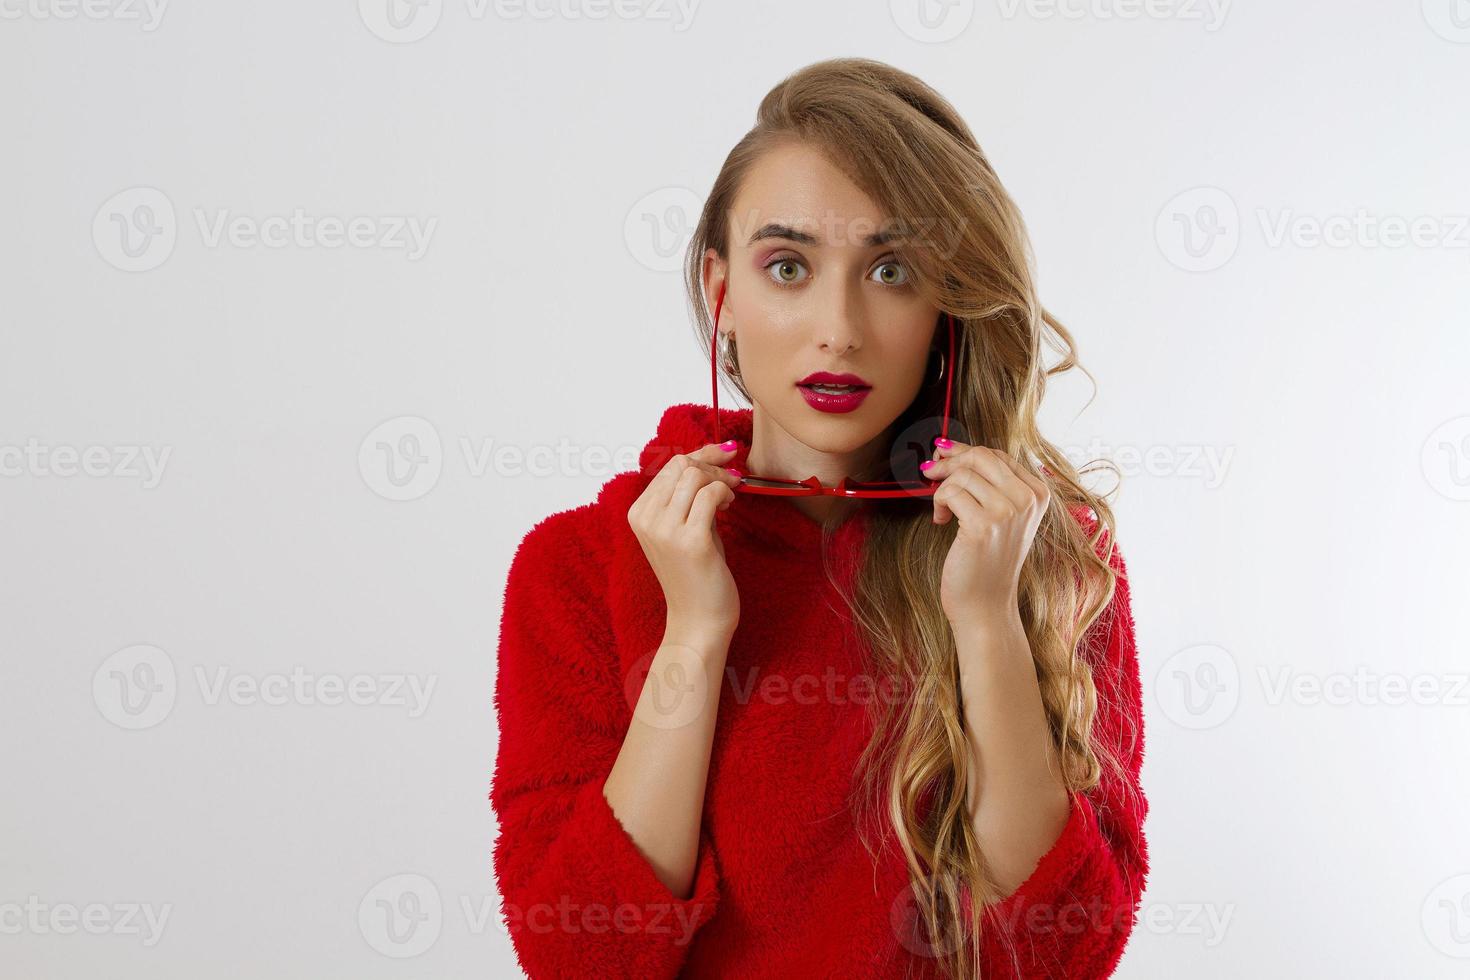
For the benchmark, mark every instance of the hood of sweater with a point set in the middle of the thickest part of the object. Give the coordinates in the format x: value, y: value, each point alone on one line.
x: 761, y: 519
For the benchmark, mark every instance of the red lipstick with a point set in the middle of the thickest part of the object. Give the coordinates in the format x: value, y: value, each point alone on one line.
x: 838, y: 393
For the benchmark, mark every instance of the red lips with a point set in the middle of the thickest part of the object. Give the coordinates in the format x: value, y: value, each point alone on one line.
x: 836, y: 402
x: 828, y: 378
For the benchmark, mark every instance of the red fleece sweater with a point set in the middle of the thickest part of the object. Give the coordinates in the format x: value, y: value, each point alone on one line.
x: 783, y: 886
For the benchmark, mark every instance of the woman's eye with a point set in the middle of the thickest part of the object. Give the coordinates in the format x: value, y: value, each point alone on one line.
x: 785, y: 271
x: 892, y: 274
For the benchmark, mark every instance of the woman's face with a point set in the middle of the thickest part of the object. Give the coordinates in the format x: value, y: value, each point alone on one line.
x: 811, y: 290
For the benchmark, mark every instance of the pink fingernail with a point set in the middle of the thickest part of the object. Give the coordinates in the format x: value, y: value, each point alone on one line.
x: 729, y: 444
x: 926, y: 465
x: 943, y: 443
x: 731, y: 469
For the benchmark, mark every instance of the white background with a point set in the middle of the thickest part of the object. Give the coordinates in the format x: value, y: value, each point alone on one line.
x: 1291, y: 835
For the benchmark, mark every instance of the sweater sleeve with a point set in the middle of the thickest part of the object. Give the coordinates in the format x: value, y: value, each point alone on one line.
x: 1072, y: 917
x: 579, y: 899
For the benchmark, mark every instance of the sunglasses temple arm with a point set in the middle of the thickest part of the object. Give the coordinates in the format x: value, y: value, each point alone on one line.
x: 714, y: 382
x: 949, y: 382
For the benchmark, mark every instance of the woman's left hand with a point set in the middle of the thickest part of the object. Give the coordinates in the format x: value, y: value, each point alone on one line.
x: 999, y: 505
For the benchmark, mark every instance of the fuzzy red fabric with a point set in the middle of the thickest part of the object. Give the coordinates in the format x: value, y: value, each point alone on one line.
x: 783, y: 886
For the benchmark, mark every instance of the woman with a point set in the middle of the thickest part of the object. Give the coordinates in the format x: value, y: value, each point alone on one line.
x: 754, y: 735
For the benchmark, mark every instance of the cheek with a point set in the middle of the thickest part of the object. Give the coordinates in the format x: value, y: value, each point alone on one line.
x: 907, y: 360
x: 764, y: 353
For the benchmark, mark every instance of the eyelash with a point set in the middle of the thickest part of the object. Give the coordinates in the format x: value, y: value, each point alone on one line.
x: 790, y: 285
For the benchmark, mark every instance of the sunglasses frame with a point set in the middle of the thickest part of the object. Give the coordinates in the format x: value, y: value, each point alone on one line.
x: 812, y: 486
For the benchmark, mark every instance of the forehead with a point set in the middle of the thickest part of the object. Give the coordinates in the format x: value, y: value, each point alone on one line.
x: 795, y: 185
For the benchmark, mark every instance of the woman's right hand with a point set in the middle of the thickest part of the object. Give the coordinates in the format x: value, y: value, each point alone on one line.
x: 674, y: 521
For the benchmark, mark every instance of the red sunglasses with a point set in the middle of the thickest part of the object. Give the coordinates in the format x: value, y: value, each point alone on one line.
x: 812, y: 486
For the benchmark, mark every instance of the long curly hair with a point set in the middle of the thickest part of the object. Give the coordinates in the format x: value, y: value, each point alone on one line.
x: 968, y: 253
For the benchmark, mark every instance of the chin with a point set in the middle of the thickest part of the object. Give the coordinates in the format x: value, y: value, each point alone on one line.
x: 838, y: 433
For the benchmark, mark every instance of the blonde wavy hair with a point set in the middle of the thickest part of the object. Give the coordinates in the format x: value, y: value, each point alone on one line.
x: 908, y: 149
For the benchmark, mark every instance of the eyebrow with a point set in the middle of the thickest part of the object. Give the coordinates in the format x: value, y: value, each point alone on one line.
x: 777, y: 230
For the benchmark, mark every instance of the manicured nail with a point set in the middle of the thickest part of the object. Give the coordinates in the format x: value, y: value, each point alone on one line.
x: 728, y: 444
x: 731, y: 469
x: 926, y: 465
x: 943, y: 443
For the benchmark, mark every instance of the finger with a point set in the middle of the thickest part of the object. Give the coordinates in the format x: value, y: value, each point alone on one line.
x: 707, y: 458
x: 942, y: 513
x: 714, y: 456
x: 715, y: 452
x: 987, y: 462
x: 1036, y: 483
x: 960, y: 504
x: 710, y: 497
x: 691, y: 481
x: 983, y: 492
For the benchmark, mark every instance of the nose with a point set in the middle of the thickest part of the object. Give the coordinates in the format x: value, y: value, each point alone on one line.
x: 840, y: 326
